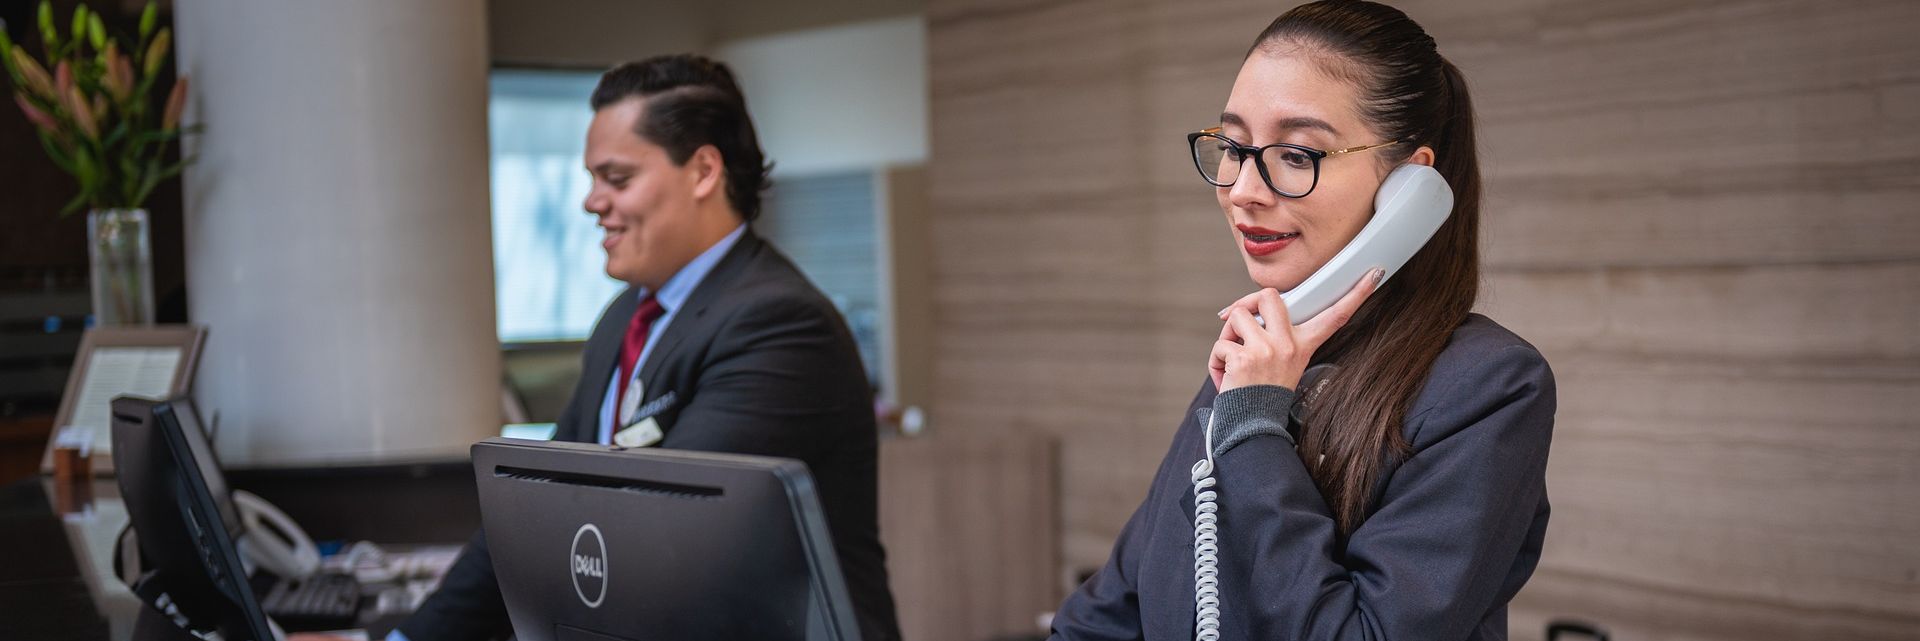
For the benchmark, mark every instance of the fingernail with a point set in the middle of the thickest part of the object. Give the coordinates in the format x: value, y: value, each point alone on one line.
x: 1377, y: 274
x: 1223, y: 312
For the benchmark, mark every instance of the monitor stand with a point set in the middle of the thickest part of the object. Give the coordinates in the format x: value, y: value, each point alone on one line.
x: 151, y: 624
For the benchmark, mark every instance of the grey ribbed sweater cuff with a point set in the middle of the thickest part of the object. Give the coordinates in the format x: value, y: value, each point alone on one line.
x: 1246, y: 412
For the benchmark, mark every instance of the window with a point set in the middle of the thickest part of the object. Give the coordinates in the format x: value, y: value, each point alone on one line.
x: 549, y: 272
x: 826, y: 224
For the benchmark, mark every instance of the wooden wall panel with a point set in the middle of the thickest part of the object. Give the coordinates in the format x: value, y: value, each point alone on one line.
x: 968, y: 523
x: 1705, y: 212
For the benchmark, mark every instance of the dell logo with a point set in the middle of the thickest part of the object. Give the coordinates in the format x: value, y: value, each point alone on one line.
x: 589, y: 566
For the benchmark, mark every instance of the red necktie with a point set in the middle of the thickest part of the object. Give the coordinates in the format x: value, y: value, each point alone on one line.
x: 632, y: 345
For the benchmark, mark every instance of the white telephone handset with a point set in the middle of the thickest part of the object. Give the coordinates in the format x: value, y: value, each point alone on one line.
x: 1411, y: 205
x: 272, y: 541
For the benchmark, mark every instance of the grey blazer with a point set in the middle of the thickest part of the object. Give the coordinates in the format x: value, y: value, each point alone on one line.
x: 1454, y: 530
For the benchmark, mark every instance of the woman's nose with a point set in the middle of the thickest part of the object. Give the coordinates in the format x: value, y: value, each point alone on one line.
x: 1250, y: 189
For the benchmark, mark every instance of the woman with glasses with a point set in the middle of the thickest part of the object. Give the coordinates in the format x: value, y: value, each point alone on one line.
x: 1378, y: 470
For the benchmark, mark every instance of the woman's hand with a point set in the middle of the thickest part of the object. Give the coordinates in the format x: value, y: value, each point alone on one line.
x: 1248, y: 354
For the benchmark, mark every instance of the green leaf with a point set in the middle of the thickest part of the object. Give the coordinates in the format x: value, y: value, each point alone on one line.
x: 129, y: 180
x: 6, y: 61
x: 119, y: 132
x: 59, y: 155
x: 147, y: 18
x: 96, y: 31
x: 48, y: 34
x: 87, y: 172
x: 142, y: 86
x: 148, y: 181
x: 74, y: 205
x: 154, y: 178
x: 156, y: 53
x: 158, y: 135
x: 79, y: 23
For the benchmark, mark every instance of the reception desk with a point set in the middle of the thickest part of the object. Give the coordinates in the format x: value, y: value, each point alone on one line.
x: 58, y: 580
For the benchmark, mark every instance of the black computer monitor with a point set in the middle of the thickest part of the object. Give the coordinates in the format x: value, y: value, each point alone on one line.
x: 593, y: 542
x: 184, y: 519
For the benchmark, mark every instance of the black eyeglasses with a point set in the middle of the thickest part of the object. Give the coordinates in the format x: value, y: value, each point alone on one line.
x: 1288, y: 169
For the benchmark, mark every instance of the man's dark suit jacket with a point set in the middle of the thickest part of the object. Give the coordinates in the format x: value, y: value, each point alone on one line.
x: 758, y: 362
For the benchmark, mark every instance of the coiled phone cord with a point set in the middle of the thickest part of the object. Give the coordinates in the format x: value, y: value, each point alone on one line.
x: 1206, y: 514
x: 1206, y: 547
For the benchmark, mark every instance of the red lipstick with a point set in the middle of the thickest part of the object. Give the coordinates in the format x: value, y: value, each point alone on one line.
x: 1260, y: 241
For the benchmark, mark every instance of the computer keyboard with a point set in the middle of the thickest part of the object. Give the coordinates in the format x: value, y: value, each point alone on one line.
x: 319, y: 602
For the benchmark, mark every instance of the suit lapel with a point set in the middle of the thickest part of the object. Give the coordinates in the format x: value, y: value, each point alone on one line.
x: 686, y: 322
x: 603, y: 354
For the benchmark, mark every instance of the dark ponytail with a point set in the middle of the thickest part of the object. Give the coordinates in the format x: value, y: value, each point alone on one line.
x: 1410, y: 93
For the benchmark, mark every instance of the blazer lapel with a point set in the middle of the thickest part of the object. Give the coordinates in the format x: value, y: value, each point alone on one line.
x: 686, y: 323
x: 602, y: 355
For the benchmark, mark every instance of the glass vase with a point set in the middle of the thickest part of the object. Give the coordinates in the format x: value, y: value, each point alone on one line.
x: 122, y: 267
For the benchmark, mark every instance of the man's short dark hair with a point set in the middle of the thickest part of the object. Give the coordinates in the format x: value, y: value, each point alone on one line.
x: 694, y: 101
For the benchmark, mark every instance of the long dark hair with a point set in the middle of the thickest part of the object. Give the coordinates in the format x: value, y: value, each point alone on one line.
x: 1412, y: 94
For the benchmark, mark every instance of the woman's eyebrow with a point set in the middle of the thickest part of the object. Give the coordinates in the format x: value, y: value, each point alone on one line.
x: 1304, y: 122
x: 1295, y: 122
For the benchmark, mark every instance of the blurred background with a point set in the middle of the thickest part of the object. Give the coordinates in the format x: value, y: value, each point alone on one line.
x: 1705, y: 213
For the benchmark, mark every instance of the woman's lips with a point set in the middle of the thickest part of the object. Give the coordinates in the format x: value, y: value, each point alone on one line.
x: 612, y: 238
x: 1260, y: 241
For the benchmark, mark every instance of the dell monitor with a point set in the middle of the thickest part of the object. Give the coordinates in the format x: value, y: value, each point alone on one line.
x: 177, y: 502
x: 592, y: 542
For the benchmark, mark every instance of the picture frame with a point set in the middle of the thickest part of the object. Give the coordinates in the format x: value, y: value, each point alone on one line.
x: 153, y: 361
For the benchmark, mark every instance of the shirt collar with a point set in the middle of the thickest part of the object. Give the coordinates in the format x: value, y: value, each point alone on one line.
x: 677, y: 288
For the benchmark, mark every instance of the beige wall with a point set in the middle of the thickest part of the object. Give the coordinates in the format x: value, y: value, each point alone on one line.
x: 599, y: 33
x: 837, y: 87
x: 1705, y: 213
x: 593, y: 34
x: 850, y: 97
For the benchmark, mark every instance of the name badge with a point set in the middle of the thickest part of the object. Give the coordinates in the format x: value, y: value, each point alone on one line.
x: 630, y: 403
x: 641, y: 434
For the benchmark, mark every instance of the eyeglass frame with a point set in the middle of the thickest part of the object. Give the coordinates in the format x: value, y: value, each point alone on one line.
x: 1259, y: 161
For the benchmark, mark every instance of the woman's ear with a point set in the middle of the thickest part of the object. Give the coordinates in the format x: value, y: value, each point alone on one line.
x: 1422, y: 156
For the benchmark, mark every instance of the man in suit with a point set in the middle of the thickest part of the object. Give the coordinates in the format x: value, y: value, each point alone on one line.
x: 719, y: 343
